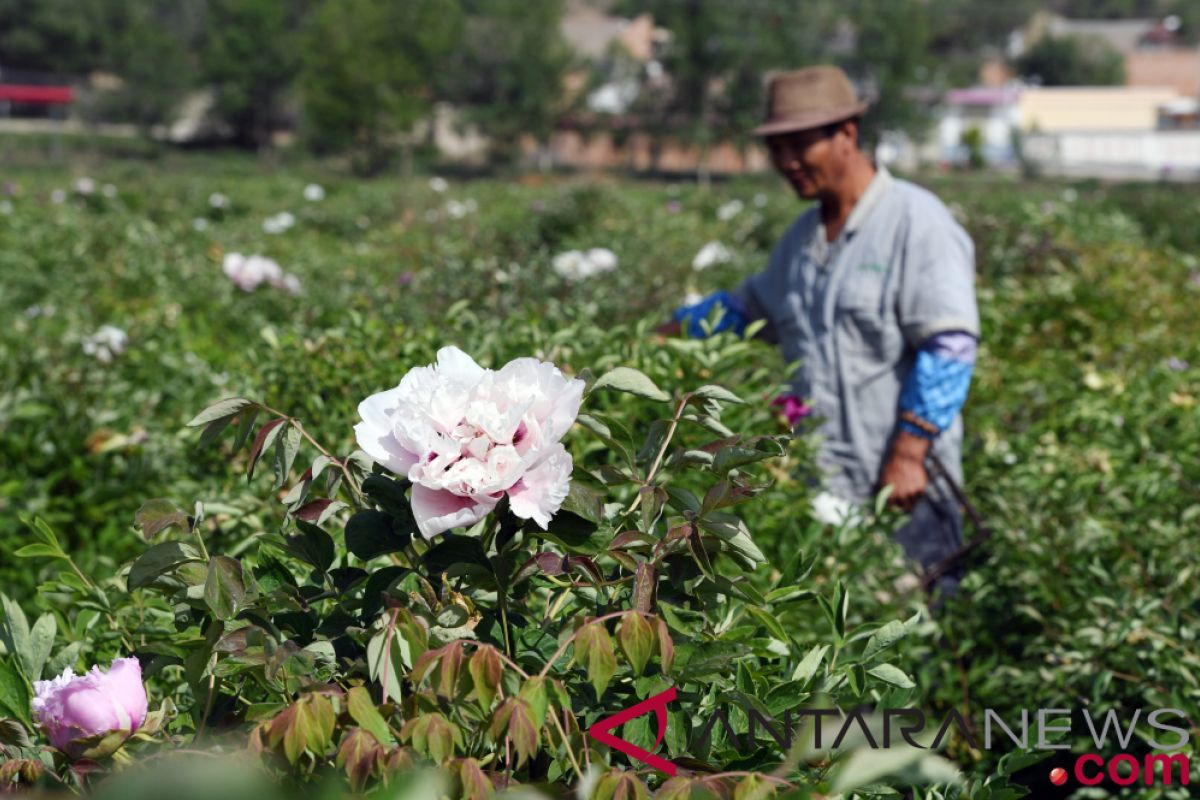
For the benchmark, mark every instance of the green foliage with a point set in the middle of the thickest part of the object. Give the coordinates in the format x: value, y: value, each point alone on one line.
x: 1072, y: 61
x: 250, y: 57
x: 368, y: 66
x: 270, y: 617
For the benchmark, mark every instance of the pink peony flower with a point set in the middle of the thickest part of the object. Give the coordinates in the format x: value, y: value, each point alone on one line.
x: 466, y: 436
x: 792, y: 407
x: 91, y: 715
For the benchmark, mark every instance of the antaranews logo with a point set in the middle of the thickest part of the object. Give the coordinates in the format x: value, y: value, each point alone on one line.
x: 1090, y: 769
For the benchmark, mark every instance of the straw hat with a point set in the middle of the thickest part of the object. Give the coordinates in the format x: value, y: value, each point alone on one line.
x: 809, y: 98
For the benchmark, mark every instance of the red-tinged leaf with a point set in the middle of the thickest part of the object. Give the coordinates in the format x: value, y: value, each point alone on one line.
x: 620, y: 785
x: 624, y: 559
x: 594, y: 651
x: 156, y: 516
x: 542, y: 563
x: 264, y: 439
x: 311, y: 512
x: 475, y: 785
x: 361, y: 756
x: 451, y: 666
x: 699, y: 553
x: 679, y: 788
x: 587, y: 566
x: 441, y: 737
x: 720, y: 444
x: 364, y: 711
x: 637, y: 641
x: 522, y: 730
x: 644, y: 583
x: 666, y: 646
x: 631, y: 539
x: 754, y: 787
x: 486, y: 672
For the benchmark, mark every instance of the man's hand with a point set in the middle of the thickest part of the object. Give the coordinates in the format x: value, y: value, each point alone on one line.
x: 904, y: 470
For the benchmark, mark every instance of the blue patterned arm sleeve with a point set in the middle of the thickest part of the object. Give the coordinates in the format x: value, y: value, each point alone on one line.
x: 733, y: 316
x: 937, y: 386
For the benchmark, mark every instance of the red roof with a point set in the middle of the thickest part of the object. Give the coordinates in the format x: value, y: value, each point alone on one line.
x: 41, y: 95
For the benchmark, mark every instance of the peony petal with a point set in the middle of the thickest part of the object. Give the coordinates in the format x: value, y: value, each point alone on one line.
x: 437, y: 511
x: 541, y: 491
x: 123, y: 684
x: 456, y: 365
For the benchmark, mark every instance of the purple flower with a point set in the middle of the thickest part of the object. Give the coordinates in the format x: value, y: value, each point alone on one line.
x: 674, y: 206
x: 1177, y: 364
x: 792, y: 407
x: 91, y: 715
x: 405, y: 278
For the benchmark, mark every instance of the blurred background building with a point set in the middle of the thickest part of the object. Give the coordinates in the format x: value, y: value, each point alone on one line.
x: 1081, y: 87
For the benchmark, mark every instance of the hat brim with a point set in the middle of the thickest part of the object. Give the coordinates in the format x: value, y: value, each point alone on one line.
x: 809, y: 121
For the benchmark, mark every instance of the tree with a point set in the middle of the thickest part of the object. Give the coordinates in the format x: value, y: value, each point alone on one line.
x: 367, y: 70
x: 507, y: 72
x: 250, y: 59
x: 1072, y: 61
x: 62, y: 36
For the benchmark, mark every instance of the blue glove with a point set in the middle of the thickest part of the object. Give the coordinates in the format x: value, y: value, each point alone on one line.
x: 732, y: 317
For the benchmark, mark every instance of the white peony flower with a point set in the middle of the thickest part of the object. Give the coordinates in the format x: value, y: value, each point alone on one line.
x: 250, y: 272
x: 833, y: 510
x: 279, y: 222
x: 576, y: 265
x: 438, y: 184
x: 711, y: 254
x: 730, y: 210
x: 314, y: 193
x: 108, y: 190
x: 466, y: 436
x: 106, y: 343
x: 85, y: 186
x: 218, y: 200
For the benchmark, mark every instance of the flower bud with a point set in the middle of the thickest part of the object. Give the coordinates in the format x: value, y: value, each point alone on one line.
x: 91, y: 715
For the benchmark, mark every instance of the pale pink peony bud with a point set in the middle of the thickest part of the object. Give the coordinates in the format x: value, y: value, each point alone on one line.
x: 91, y: 715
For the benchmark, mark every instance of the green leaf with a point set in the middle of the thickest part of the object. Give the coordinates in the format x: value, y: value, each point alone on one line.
x: 362, y: 709
x: 15, y: 631
x: 733, y: 532
x: 64, y: 659
x: 220, y: 410
x: 287, y: 446
x: 313, y: 545
x: 533, y: 692
x: 893, y: 675
x: 263, y: 441
x: 159, y: 560
x: 225, y: 588
x: 156, y: 516
x: 43, y: 532
x: 14, y: 691
x: 370, y: 534
x: 41, y: 640
x: 38, y: 550
x: 594, y: 651
x: 884, y: 638
x: 626, y: 379
x: 718, y: 393
x: 636, y: 638
x: 809, y: 665
x: 386, y: 668
x: 486, y: 672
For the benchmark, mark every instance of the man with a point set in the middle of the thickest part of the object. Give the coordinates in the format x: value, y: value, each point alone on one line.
x: 872, y: 291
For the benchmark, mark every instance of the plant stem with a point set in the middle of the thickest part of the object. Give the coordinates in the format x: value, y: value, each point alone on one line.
x: 341, y: 463
x: 662, y: 449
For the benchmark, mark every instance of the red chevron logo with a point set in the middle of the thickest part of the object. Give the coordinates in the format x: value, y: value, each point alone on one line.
x: 658, y: 703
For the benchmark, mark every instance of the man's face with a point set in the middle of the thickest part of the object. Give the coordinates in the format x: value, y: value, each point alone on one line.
x: 812, y: 160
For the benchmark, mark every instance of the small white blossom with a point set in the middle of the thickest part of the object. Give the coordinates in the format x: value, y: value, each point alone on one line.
x: 6, y: 207
x: 200, y: 224
x: 85, y: 186
x: 833, y: 510
x: 577, y: 265
x: 250, y: 272
x: 710, y: 255
x: 108, y: 190
x: 218, y: 200
x: 58, y: 197
x: 106, y: 344
x: 278, y: 223
x: 760, y: 200
x: 730, y: 210
x: 314, y: 193
x: 439, y: 184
